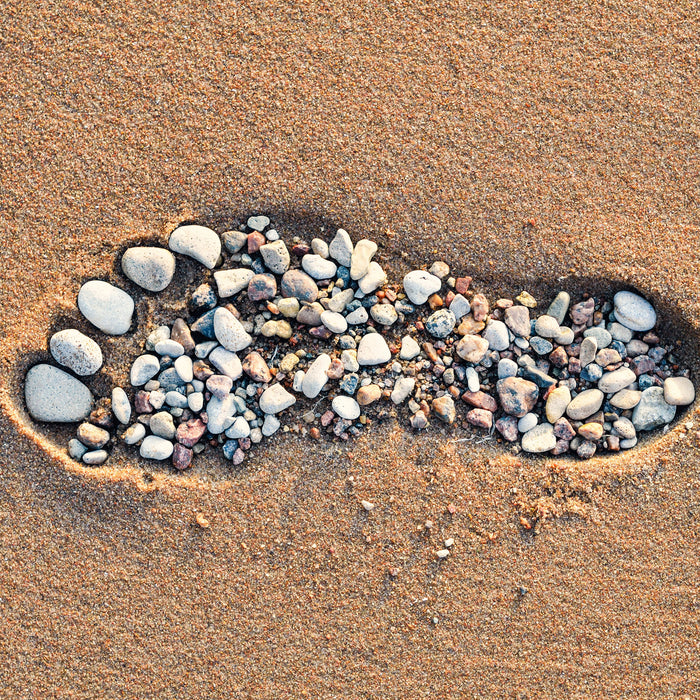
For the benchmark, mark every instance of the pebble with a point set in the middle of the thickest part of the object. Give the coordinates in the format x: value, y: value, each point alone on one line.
x: 76, y: 449
x: 144, y: 368
x: 197, y: 242
x: 441, y: 323
x: 276, y: 399
x: 518, y: 396
x: 602, y: 337
x: 334, y: 322
x: 588, y: 351
x: 195, y: 401
x: 496, y: 334
x: 346, y: 407
x: 361, y: 256
x: 624, y: 427
x: 527, y: 422
x: 565, y: 337
x: 679, y: 391
x: 585, y: 404
x: 634, y: 312
x: 612, y: 382
x: 276, y: 256
x: 419, y: 285
x: 374, y: 278
x: 298, y: 284
x: 149, y: 267
x: 480, y: 307
x: 92, y: 436
x: 226, y: 362
x: 182, y: 457
x: 460, y: 306
x: 256, y: 368
x: 373, y: 350
x: 368, y: 394
x: 473, y: 381
x: 107, y: 307
x: 358, y: 316
x: 168, y: 347
x: 517, y: 318
x: 234, y: 240
x: 239, y: 429
x: 134, y: 433
x: 472, y: 348
x: 444, y: 409
x: 231, y: 282
x: 541, y: 346
x: 621, y: 333
x: 316, y: 378
x: 506, y: 368
x: 74, y: 350
x: 652, y: 410
x: 190, y: 433
x: 341, y: 248
x: 318, y: 268
x: 547, y: 326
x: 220, y: 413
x: 121, y: 407
x: 270, y: 425
x: 258, y: 223
x: 229, y: 331
x: 95, y: 457
x: 262, y: 287
x: 162, y: 425
x: 403, y: 388
x: 626, y: 399
x: 557, y: 403
x: 154, y: 447
x: 409, y: 348
x: 539, y: 439
x: 559, y: 306
x: 55, y: 396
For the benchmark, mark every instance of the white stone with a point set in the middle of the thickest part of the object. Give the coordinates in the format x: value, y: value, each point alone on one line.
x: 634, y: 312
x: 154, y: 447
x: 318, y: 268
x: 340, y: 299
x: 276, y: 257
x: 319, y: 247
x: 539, y: 439
x: 121, y: 406
x: 374, y: 278
x: 229, y: 331
x: 679, y: 391
x: 55, y: 396
x: 557, y: 403
x: 134, y: 433
x: 334, y: 322
x: 230, y: 282
x: 106, y: 306
x: 341, y: 247
x: 258, y: 223
x: 346, y: 407
x: 527, y: 422
x: 149, y: 267
x: 220, y: 413
x: 403, y: 389
x: 195, y: 401
x: 409, y: 348
x: 198, y: 242
x: 226, y: 362
x: 144, y: 368
x: 358, y: 316
x: 612, y: 382
x: 168, y: 347
x: 547, y: 327
x: 162, y: 425
x: 361, y: 256
x: 176, y: 400
x: 183, y: 367
x: 316, y: 377
x: 585, y: 404
x: 373, y: 350
x: 419, y: 285
x: 473, y: 381
x: 276, y: 399
x: 95, y: 457
x: 496, y: 333
x: 239, y: 429
x: 270, y: 425
x: 74, y: 350
x: 349, y: 360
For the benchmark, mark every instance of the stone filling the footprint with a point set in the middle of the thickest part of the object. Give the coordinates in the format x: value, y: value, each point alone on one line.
x: 317, y: 327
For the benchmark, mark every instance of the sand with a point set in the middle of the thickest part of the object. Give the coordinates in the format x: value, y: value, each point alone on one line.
x: 531, y: 146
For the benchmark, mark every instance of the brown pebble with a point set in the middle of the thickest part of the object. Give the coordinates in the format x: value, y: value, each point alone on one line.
x: 182, y: 457
x: 315, y: 433
x: 181, y: 334
x: 480, y: 307
x: 92, y: 436
x: 462, y: 284
x: 368, y: 394
x: 141, y: 402
x: 189, y: 433
x: 481, y: 418
x: 255, y: 241
x: 256, y: 368
x: 480, y: 399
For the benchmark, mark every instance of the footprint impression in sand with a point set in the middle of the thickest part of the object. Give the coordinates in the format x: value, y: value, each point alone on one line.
x: 313, y: 338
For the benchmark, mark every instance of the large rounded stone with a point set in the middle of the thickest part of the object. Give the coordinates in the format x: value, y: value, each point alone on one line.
x: 652, y: 410
x: 76, y: 351
x: 298, y: 284
x: 679, y: 391
x: 539, y: 439
x: 149, y: 267
x: 373, y: 350
x: 315, y: 378
x: 634, y: 312
x: 230, y: 282
x: 346, y: 407
x: 55, y: 396
x: 585, y: 404
x: 154, y: 447
x: 276, y: 399
x: 198, y: 242
x: 617, y: 380
x: 106, y: 306
x: 419, y: 285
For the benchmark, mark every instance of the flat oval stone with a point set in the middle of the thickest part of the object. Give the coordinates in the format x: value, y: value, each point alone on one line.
x: 419, y: 285
x: 634, y: 312
x: 557, y: 402
x: 169, y: 347
x: 585, y: 404
x: 679, y: 391
x: 612, y: 382
x: 55, y: 396
x: 334, y: 322
x: 296, y: 283
x: 318, y: 268
x: 539, y: 439
x: 652, y: 410
x: 626, y: 399
x: 373, y: 350
x: 198, y: 242
x: 121, y: 406
x: 559, y: 307
x: 547, y: 327
x: 229, y: 331
x: 106, y: 306
x: 150, y: 267
x: 315, y: 378
x: 346, y: 407
x: 276, y: 399
x: 74, y: 350
x: 154, y: 447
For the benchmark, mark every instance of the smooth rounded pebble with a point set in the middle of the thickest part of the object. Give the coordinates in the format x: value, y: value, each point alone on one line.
x: 229, y: 331
x: 419, y: 285
x: 384, y: 314
x: 149, y: 267
x: 617, y: 380
x: 134, y: 433
x: 346, y: 407
x: 441, y: 323
x: 373, y: 350
x: 679, y: 391
x: 341, y: 247
x: 626, y: 399
x: 334, y: 322
x: 145, y: 367
x: 258, y: 223
x: 652, y: 410
x: 55, y: 396
x: 318, y: 268
x: 230, y: 282
x: 409, y: 348
x: 95, y: 457
x: 74, y: 350
x: 198, y: 242
x: 154, y: 447
x: 539, y: 439
x: 361, y: 257
x: 276, y: 399
x: 121, y: 407
x: 316, y: 378
x: 585, y: 404
x: 226, y: 362
x: 106, y: 306
x: 496, y: 334
x: 169, y: 347
x: 634, y: 312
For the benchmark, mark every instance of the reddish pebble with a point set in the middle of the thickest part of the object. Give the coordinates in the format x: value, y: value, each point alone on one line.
x: 189, y: 434
x: 480, y: 307
x: 315, y: 433
x: 182, y: 457
x: 238, y: 457
x: 462, y: 284
x: 255, y: 241
x: 336, y: 370
x: 480, y: 399
x: 256, y: 368
x: 508, y: 428
x: 141, y: 403
x: 327, y: 418
x: 320, y: 332
x: 480, y: 417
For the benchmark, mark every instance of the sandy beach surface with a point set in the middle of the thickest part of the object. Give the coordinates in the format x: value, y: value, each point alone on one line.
x: 533, y: 146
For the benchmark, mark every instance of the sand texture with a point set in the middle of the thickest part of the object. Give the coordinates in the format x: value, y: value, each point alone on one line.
x: 530, y: 145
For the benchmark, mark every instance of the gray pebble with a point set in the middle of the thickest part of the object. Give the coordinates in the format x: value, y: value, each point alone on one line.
x: 144, y: 368
x: 55, y: 396
x: 652, y: 410
x: 95, y: 457
x: 107, y: 307
x: 121, y: 407
x: 197, y: 242
x: 154, y: 447
x: 74, y: 350
x: 149, y: 267
x: 634, y: 312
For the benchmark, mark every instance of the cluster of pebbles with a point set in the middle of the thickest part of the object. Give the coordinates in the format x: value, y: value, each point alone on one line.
x: 319, y: 324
